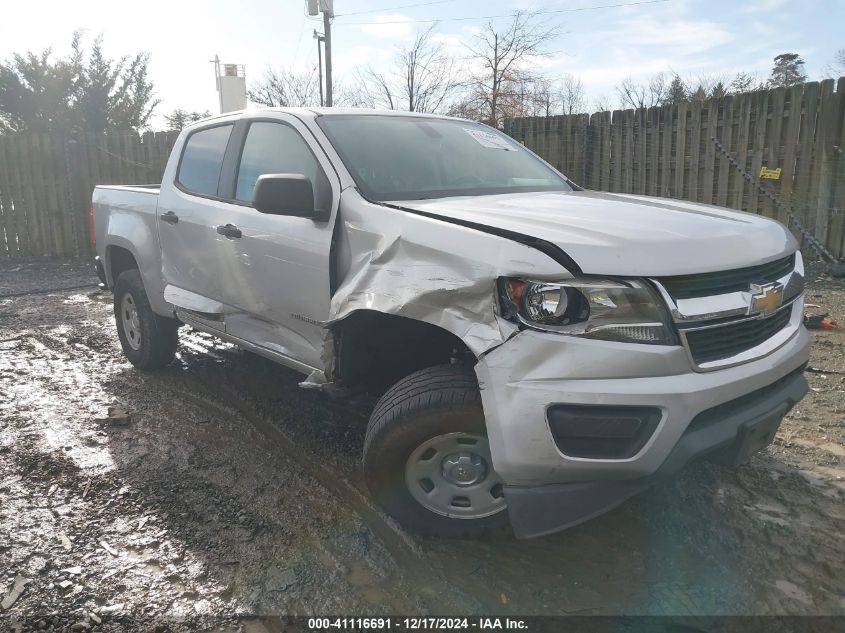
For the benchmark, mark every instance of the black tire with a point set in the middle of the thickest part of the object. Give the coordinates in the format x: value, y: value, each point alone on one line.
x: 159, y: 335
x: 424, y: 405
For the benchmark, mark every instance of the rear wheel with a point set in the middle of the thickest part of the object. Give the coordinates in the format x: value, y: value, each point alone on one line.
x: 427, y: 459
x: 148, y: 340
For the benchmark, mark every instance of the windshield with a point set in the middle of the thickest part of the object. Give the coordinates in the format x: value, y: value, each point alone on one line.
x: 415, y: 158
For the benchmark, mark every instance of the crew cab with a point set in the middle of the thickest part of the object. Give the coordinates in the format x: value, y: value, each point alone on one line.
x: 540, y: 353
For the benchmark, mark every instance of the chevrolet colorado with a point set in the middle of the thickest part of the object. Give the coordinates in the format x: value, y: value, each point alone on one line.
x: 541, y: 352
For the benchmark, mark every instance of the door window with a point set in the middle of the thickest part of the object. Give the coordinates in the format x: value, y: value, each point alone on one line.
x: 276, y: 148
x: 202, y: 160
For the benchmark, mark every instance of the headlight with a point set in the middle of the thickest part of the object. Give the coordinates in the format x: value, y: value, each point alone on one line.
x: 620, y: 310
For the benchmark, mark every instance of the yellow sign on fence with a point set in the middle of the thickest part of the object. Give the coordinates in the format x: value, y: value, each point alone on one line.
x: 771, y: 174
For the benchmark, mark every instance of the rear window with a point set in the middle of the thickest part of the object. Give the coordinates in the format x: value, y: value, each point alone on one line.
x: 202, y: 160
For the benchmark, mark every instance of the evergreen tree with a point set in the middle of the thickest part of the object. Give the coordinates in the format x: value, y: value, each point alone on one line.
x: 179, y: 118
x: 743, y: 82
x: 78, y: 92
x: 788, y: 70
x: 677, y: 92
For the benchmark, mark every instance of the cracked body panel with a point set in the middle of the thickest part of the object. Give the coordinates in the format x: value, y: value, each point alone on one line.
x: 399, y: 263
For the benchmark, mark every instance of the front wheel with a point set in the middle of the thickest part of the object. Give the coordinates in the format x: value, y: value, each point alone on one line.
x: 427, y: 458
x: 148, y: 340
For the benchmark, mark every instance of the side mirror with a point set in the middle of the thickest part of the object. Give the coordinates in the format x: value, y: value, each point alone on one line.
x: 284, y: 194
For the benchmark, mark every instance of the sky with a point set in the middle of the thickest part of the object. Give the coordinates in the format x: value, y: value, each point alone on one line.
x: 601, y: 46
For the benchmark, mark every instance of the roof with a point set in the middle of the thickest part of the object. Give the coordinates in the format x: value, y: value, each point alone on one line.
x: 348, y: 111
x: 315, y: 112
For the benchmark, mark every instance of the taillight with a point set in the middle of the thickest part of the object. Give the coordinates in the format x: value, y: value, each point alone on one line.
x: 91, y: 230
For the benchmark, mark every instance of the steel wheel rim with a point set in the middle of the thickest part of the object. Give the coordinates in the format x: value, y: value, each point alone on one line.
x: 130, y: 321
x: 452, y: 475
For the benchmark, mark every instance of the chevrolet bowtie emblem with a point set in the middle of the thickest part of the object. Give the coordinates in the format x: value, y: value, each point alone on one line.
x: 765, y: 298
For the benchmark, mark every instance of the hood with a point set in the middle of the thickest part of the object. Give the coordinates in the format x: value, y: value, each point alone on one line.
x: 626, y: 235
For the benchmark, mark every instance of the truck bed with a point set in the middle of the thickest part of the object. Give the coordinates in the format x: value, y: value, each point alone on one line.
x: 125, y: 218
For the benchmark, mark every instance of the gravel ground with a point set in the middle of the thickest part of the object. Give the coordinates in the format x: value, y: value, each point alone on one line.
x: 217, y: 490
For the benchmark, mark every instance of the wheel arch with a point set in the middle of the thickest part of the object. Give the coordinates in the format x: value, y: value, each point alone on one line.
x: 374, y: 350
x: 119, y: 258
x: 121, y: 254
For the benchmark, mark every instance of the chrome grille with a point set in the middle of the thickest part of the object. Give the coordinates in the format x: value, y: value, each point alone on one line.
x: 723, y: 341
x: 722, y: 318
x: 707, y: 284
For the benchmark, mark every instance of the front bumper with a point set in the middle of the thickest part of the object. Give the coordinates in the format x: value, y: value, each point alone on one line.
x: 547, y: 490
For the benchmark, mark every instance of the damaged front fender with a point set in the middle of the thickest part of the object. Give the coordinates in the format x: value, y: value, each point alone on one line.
x: 428, y: 269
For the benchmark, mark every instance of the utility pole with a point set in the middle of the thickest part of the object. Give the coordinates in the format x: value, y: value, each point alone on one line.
x: 216, y: 62
x: 327, y: 7
x: 327, y: 30
x: 319, y: 39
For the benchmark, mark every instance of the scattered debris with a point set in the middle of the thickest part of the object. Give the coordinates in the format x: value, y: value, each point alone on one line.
x: 17, y: 589
x: 108, y: 548
x: 65, y: 541
x: 65, y: 584
x: 112, y: 608
x: 117, y: 416
x: 73, y: 571
x: 819, y: 322
x: 87, y: 486
x: 791, y: 590
x: 817, y: 370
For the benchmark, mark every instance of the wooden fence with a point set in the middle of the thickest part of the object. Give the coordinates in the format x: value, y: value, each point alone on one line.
x: 668, y: 151
x: 46, y: 181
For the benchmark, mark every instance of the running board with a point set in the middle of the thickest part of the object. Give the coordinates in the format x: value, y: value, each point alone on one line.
x: 189, y: 319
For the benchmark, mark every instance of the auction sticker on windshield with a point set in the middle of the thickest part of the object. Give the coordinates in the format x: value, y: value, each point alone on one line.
x: 490, y: 139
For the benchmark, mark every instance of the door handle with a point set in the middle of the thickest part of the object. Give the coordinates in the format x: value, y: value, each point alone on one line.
x: 169, y: 217
x: 229, y: 230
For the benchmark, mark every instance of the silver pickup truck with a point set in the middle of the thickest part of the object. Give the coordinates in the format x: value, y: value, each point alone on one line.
x: 540, y: 352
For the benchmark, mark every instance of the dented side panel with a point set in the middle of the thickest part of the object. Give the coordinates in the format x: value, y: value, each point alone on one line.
x: 399, y: 263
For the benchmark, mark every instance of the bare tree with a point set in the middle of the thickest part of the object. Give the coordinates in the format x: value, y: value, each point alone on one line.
x: 429, y: 74
x: 498, y: 88
x: 836, y: 68
x: 541, y: 98
x: 422, y: 78
x: 375, y: 90
x: 639, y: 95
x: 467, y: 107
x: 572, y: 97
x: 284, y: 88
x: 349, y: 94
x: 602, y: 103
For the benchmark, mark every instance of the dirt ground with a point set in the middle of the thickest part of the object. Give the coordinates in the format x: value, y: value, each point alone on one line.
x: 226, y: 491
